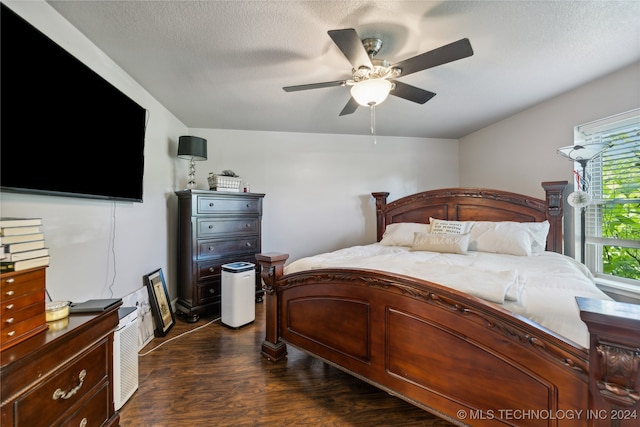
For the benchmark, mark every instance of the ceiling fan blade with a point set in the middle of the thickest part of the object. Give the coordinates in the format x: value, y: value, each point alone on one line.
x: 442, y: 55
x: 350, y: 108
x: 314, y: 86
x: 411, y: 93
x: 351, y: 46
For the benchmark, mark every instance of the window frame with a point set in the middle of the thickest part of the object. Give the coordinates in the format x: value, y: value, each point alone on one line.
x: 593, y: 247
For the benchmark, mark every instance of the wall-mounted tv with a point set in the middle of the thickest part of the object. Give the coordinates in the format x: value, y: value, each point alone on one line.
x: 64, y: 130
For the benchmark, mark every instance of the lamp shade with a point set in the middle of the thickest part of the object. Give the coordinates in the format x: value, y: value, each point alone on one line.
x: 371, y: 92
x: 192, y: 148
x: 583, y: 152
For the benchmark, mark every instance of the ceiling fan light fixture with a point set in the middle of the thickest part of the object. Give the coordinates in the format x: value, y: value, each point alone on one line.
x: 371, y: 92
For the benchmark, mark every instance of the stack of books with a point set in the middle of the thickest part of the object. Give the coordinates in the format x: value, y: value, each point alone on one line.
x: 22, y: 244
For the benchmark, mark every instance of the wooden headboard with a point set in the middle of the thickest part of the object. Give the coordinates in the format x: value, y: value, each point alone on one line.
x: 476, y: 204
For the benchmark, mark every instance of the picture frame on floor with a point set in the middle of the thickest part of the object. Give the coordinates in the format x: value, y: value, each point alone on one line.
x: 160, y: 302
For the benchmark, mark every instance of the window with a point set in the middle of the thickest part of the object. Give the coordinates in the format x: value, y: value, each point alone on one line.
x: 612, y: 219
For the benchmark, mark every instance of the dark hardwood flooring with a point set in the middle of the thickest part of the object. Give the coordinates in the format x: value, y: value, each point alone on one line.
x: 215, y: 376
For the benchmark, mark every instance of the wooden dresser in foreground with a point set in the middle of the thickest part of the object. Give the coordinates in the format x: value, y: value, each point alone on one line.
x: 215, y: 228
x: 61, y: 377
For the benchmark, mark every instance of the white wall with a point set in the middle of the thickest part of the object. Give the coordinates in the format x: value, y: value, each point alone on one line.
x: 518, y: 153
x: 101, y: 249
x: 318, y: 187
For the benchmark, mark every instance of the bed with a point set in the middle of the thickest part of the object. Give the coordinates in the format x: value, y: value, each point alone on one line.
x: 468, y: 357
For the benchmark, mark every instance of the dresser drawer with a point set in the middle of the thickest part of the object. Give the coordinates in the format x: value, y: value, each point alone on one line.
x: 208, y: 292
x: 17, y: 284
x: 217, y: 205
x: 19, y: 331
x: 63, y: 390
x: 221, y: 247
x: 93, y: 413
x: 12, y: 308
x: 208, y: 270
x: 11, y: 318
x: 208, y: 227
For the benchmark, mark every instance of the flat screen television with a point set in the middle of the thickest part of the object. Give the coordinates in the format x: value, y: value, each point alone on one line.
x: 64, y: 130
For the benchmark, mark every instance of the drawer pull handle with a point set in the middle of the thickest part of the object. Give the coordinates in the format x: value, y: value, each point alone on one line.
x: 66, y: 395
x: 11, y: 280
x: 9, y: 321
x: 11, y: 333
x: 248, y: 205
x: 210, y: 205
x: 212, y: 291
x: 210, y: 226
x: 9, y: 293
x: 10, y: 307
x: 210, y: 248
x: 84, y: 422
x: 247, y: 225
x: 248, y: 244
x: 211, y: 269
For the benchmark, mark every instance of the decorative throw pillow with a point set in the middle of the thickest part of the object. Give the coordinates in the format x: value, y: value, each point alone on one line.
x: 401, y: 233
x: 443, y: 243
x: 441, y: 226
x: 511, y: 238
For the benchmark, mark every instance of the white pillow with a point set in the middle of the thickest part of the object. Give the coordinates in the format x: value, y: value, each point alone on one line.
x: 441, y: 226
x: 443, y: 243
x: 401, y: 233
x: 506, y: 237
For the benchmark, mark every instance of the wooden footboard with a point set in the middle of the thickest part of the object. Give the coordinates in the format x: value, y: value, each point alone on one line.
x: 444, y: 351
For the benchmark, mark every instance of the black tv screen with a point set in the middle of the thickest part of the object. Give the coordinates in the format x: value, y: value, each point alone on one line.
x: 64, y: 130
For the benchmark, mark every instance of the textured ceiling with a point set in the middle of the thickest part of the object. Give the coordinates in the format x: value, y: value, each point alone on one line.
x: 222, y: 64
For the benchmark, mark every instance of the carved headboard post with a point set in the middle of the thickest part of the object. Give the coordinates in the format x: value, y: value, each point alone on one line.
x: 554, y: 192
x: 381, y: 202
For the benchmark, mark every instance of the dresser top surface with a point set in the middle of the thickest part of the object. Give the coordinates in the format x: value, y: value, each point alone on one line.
x: 187, y: 193
x: 51, y: 338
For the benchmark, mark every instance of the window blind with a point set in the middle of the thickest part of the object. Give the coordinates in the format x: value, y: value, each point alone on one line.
x: 613, y: 182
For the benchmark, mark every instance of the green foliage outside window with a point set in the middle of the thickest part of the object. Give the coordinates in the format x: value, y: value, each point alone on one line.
x: 621, y: 214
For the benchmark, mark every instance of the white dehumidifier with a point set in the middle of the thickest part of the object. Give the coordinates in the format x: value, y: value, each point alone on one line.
x: 238, y: 294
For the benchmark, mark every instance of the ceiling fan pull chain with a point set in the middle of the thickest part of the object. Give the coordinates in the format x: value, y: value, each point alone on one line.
x: 373, y: 122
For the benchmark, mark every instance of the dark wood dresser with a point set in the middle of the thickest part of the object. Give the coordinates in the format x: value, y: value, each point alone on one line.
x: 215, y: 228
x: 61, y: 377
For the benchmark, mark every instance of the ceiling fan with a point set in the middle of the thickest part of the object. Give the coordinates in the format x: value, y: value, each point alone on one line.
x: 373, y: 79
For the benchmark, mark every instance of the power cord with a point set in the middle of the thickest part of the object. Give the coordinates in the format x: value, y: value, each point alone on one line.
x: 178, y: 336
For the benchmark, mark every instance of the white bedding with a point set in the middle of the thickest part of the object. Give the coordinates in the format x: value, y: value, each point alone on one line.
x: 541, y: 288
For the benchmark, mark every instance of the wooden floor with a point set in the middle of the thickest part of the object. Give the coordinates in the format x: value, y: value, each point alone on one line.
x: 215, y: 376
